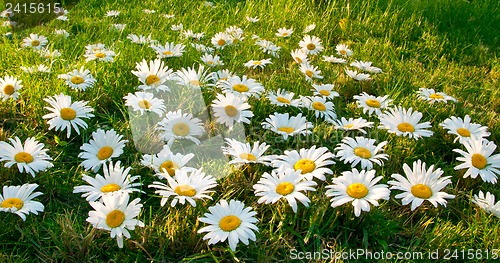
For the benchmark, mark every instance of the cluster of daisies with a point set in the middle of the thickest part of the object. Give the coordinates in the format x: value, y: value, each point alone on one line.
x: 291, y: 175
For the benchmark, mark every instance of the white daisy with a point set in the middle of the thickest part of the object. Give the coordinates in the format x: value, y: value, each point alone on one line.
x: 311, y: 72
x: 358, y: 187
x: 405, y: 122
x: 177, y: 27
x: 432, y: 96
x: 223, y: 74
x: 309, y: 28
x: 99, y: 52
x: 169, y: 16
x: 166, y: 162
x: 178, y: 125
x: 487, y: 203
x: 66, y: 115
x: 464, y: 129
x: 479, y: 160
x: 365, y: 66
x: 325, y: 90
x: 343, y: 50
x: 49, y: 54
x: 79, y: 79
x: 372, y: 104
x: 30, y: 157
x: 361, y: 150
x: 252, y: 19
x: 352, y: 124
x: 283, y: 98
x: 145, y: 102
x: 35, y: 69
x: 119, y: 27
x: 9, y: 87
x: 103, y: 146
x: 140, y: 39
x: 112, y: 13
x: 169, y: 50
x: 34, y: 41
x: 185, y: 187
x: 61, y: 32
x: 334, y: 60
x: 245, y: 153
x: 357, y: 76
x: 116, y: 181
x: 229, y: 108
x: 153, y: 76
x: 284, y: 32
x: 268, y: 47
x: 232, y: 221
x: 286, y: 126
x: 322, y: 108
x: 212, y: 60
x: 195, y: 78
x: 311, y: 45
x: 116, y: 215
x: 202, y: 48
x: 258, y: 63
x: 221, y: 40
x: 244, y: 86
x: 420, y: 185
x: 19, y: 200
x: 299, y: 56
x: 311, y: 162
x: 149, y: 11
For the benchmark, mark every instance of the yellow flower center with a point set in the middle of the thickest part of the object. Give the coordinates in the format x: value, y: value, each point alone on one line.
x: 284, y: 188
x: 169, y: 166
x: 231, y: 111
x: 77, y: 80
x: 110, y: 188
x: 348, y: 126
x: 343, y: 23
x: 168, y: 53
x: 68, y: 114
x: 286, y: 129
x: 283, y: 100
x: 306, y: 165
x: 479, y: 161
x: 221, y: 42
x: 436, y: 96
x: 298, y: 60
x: 324, y: 92
x: 309, y: 73
x: 195, y: 82
x: 181, y: 129
x: 145, y: 104
x: 185, y: 190
x: 23, y: 157
x: 463, y: 132
x: 100, y: 55
x: 362, y: 152
x: 104, y: 153
x: 240, y: 88
x: 248, y: 156
x: 357, y: 190
x: 311, y: 46
x: 406, y: 127
x: 421, y: 191
x: 8, y: 89
x: 35, y: 43
x: 115, y: 218
x: 257, y: 62
x: 373, y: 103
x: 152, y: 79
x: 284, y: 34
x: 13, y: 202
x: 229, y: 223
x: 343, y: 52
x: 318, y: 106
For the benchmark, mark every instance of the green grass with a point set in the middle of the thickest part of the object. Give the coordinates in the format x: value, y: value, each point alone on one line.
x: 451, y: 46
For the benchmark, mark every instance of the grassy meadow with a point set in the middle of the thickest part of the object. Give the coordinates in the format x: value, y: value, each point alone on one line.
x: 448, y: 45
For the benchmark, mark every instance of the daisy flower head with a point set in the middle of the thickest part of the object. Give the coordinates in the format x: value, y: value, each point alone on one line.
x: 309, y: 28
x: 49, y: 54
x: 232, y: 221
x: 299, y: 56
x: 487, y: 203
x: 352, y: 124
x: 403, y: 122
x: 236, y: 34
x: 432, y: 96
x: 212, y: 60
x: 99, y: 52
x: 66, y: 115
x: 79, y: 79
x: 244, y: 86
x: 61, y: 32
x: 223, y: 74
x: 245, y: 153
x: 371, y: 104
x: 7, y: 13
x: 321, y: 107
x: 479, y: 160
x: 145, y: 102
x: 112, y: 13
x: 178, y: 125
x: 361, y: 150
x: 365, y: 66
x: 119, y: 27
x: 325, y: 90
x: 421, y: 184
x: 169, y: 50
x: 140, y: 39
x: 284, y: 32
x: 153, y: 76
x: 311, y: 162
x: 311, y: 72
x: 149, y: 11
x: 19, y: 200
x: 285, y: 184
x: 9, y: 86
x: 311, y: 45
x: 169, y: 16
x: 34, y: 41
x: 229, y: 108
x: 41, y: 68
x: 194, y: 78
x: 177, y: 27
x: 357, y: 76
x: 166, y: 162
x: 358, y: 187
x: 284, y: 125
x: 268, y: 47
x: 117, y: 215
x: 30, y: 157
x: 253, y: 64
x: 221, y: 40
x: 282, y: 97
x: 185, y: 186
x: 104, y: 146
x: 254, y: 19
x: 202, y: 48
x: 343, y: 50
x: 334, y: 60
x: 464, y: 129
x: 116, y: 181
